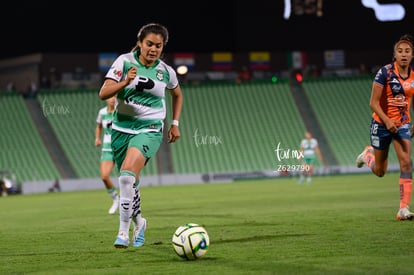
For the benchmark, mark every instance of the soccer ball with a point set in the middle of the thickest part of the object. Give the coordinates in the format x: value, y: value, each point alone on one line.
x: 190, y: 241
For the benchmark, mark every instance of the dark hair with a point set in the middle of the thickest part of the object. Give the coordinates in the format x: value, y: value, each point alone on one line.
x: 408, y: 38
x: 152, y: 28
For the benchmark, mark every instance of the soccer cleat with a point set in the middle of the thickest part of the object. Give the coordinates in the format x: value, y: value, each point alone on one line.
x: 122, y: 240
x: 405, y: 214
x: 360, y: 161
x: 114, y: 206
x: 139, y: 233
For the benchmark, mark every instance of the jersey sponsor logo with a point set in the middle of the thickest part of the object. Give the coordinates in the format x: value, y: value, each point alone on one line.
x: 375, y: 141
x: 396, y: 87
x: 398, y: 101
x: 144, y: 83
x: 131, y: 100
x: 108, y: 124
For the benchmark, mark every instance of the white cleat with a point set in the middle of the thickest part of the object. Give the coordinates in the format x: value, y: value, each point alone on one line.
x: 361, y: 159
x: 114, y: 207
x: 405, y: 214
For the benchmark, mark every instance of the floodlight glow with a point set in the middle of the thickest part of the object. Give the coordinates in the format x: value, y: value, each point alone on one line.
x: 182, y: 69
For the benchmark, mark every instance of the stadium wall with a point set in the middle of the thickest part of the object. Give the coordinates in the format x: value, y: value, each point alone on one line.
x: 70, y: 185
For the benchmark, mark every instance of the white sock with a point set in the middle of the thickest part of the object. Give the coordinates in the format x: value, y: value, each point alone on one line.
x: 126, y: 181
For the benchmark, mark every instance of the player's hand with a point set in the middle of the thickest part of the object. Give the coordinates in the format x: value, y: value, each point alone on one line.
x: 132, y: 73
x: 391, y: 126
x: 98, y: 142
x: 173, y: 134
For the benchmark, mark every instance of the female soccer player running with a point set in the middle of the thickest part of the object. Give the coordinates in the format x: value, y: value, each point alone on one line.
x: 392, y: 90
x: 139, y: 80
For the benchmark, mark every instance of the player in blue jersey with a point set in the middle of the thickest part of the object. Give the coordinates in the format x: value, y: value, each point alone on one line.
x: 391, y: 98
x: 139, y: 80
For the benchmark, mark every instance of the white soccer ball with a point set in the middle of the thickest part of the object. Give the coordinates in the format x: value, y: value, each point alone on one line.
x: 191, y: 241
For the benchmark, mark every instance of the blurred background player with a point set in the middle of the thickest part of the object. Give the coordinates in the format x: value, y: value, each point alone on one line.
x: 309, y: 148
x: 104, y: 124
x: 391, y: 93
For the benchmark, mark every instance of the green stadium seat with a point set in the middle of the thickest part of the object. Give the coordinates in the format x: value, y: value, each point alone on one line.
x: 22, y: 149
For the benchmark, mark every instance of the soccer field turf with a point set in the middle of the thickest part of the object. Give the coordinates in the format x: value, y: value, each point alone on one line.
x: 336, y: 225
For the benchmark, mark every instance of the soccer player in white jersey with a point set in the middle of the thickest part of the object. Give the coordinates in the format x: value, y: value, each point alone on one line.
x: 139, y: 80
x: 103, y: 133
x: 310, y: 150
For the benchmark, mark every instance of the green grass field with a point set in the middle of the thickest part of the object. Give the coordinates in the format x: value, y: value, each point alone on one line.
x: 336, y: 225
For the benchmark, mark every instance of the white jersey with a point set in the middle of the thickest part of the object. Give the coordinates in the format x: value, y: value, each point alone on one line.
x: 309, y: 147
x: 140, y: 106
x: 105, y: 119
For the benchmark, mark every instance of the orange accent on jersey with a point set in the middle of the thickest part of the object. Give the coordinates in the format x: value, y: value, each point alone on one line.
x: 397, y: 107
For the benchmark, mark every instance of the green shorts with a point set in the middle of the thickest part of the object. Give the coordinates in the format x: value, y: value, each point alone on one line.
x: 147, y: 143
x: 309, y: 160
x: 107, y: 156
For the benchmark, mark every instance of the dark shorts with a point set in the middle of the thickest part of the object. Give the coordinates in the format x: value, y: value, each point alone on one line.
x: 381, y: 138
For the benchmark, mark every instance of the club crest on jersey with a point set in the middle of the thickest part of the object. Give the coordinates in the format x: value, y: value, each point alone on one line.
x: 407, y: 85
x: 160, y: 75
